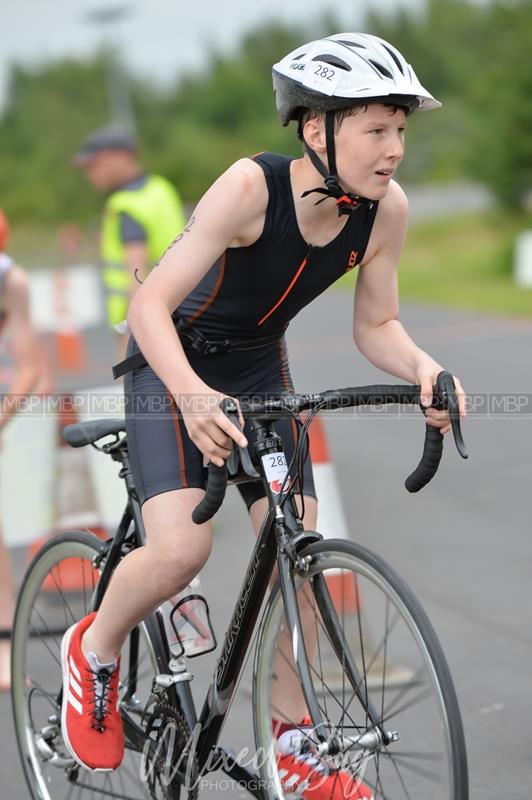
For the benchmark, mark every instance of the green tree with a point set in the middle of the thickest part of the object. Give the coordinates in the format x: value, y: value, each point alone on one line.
x: 473, y: 57
x: 47, y: 115
x: 500, y: 153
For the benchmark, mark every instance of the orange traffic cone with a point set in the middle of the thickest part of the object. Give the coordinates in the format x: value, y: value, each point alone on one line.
x: 331, y: 517
x: 70, y: 349
x: 343, y: 585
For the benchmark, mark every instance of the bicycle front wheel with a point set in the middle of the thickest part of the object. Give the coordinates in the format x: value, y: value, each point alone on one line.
x: 58, y: 590
x: 390, y: 715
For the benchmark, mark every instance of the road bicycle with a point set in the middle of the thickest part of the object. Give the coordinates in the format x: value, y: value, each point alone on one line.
x: 333, y: 613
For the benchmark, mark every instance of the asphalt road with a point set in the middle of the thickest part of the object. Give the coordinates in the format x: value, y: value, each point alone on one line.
x: 464, y: 544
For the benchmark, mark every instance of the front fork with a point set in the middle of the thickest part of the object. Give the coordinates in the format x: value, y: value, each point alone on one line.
x: 292, y: 561
x: 292, y: 541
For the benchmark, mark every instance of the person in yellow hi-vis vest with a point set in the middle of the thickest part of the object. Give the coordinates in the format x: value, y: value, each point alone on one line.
x: 142, y: 215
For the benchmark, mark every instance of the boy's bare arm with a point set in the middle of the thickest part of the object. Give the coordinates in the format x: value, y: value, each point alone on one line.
x: 24, y: 344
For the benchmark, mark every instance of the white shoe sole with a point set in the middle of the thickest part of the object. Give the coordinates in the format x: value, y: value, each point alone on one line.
x: 65, y: 645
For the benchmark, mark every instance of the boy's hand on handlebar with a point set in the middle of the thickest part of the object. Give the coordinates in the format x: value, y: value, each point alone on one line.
x: 434, y: 416
x: 208, y: 427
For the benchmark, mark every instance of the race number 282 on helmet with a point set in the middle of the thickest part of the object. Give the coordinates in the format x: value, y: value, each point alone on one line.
x: 339, y: 72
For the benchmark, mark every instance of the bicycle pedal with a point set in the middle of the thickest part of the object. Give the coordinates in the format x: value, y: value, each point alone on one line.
x: 165, y: 681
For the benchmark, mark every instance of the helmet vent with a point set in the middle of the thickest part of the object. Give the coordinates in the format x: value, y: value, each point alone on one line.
x: 334, y: 61
x: 399, y: 65
x: 382, y: 70
x: 352, y: 44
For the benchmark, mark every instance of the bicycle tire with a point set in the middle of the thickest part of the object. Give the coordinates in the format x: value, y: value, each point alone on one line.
x: 56, y: 591
x: 404, y: 672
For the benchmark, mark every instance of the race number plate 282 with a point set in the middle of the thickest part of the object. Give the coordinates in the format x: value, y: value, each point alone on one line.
x: 276, y: 469
x: 322, y: 77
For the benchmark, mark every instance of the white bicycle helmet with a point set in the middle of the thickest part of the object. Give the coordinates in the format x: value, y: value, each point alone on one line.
x: 339, y: 72
x: 336, y: 72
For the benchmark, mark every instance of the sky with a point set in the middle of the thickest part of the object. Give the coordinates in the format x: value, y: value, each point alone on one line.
x: 160, y: 39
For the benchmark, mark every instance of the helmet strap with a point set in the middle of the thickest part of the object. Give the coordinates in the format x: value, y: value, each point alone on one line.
x: 346, y: 202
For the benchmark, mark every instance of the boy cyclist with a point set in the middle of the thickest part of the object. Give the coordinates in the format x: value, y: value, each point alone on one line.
x: 270, y: 235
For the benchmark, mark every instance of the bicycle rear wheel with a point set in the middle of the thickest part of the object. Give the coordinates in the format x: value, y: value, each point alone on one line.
x: 57, y: 591
x: 389, y: 709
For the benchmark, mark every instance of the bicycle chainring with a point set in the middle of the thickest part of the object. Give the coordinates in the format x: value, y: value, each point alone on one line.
x: 169, y: 763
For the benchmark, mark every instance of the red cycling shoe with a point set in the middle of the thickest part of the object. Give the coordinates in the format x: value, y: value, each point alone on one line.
x: 305, y: 774
x: 90, y: 720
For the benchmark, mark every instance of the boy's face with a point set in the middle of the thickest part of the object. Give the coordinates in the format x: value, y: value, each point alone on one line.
x: 369, y: 148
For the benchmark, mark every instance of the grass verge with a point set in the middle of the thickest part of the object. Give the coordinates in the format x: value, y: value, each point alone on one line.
x: 464, y: 262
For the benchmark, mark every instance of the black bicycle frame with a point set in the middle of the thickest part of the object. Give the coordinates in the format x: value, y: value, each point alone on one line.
x: 279, y: 528
x: 280, y: 539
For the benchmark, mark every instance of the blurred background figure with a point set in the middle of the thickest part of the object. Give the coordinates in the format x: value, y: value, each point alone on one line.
x: 15, y: 317
x: 70, y: 243
x: 142, y: 215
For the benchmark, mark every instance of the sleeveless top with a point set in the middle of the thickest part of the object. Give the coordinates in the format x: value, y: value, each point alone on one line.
x: 255, y: 290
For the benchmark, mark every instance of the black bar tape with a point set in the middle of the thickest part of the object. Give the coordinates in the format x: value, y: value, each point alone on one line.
x: 214, y: 495
x: 430, y: 460
x: 370, y: 395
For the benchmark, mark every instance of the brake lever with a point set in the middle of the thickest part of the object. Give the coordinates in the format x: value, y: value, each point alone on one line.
x: 238, y: 454
x: 446, y: 389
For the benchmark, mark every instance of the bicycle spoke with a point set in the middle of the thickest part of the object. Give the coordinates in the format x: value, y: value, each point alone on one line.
x: 404, y: 689
x: 45, y: 643
x: 59, y: 590
x: 52, y: 698
x: 355, y: 692
x: 49, y: 633
x: 41, y: 617
x: 84, y: 592
x: 413, y: 695
x: 423, y: 756
x: 379, y: 784
x: 66, y: 604
x: 385, y: 654
x: 407, y: 793
x: 420, y: 698
x: 422, y: 772
x: 331, y: 692
x: 382, y: 644
x: 316, y: 634
x: 387, y: 634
